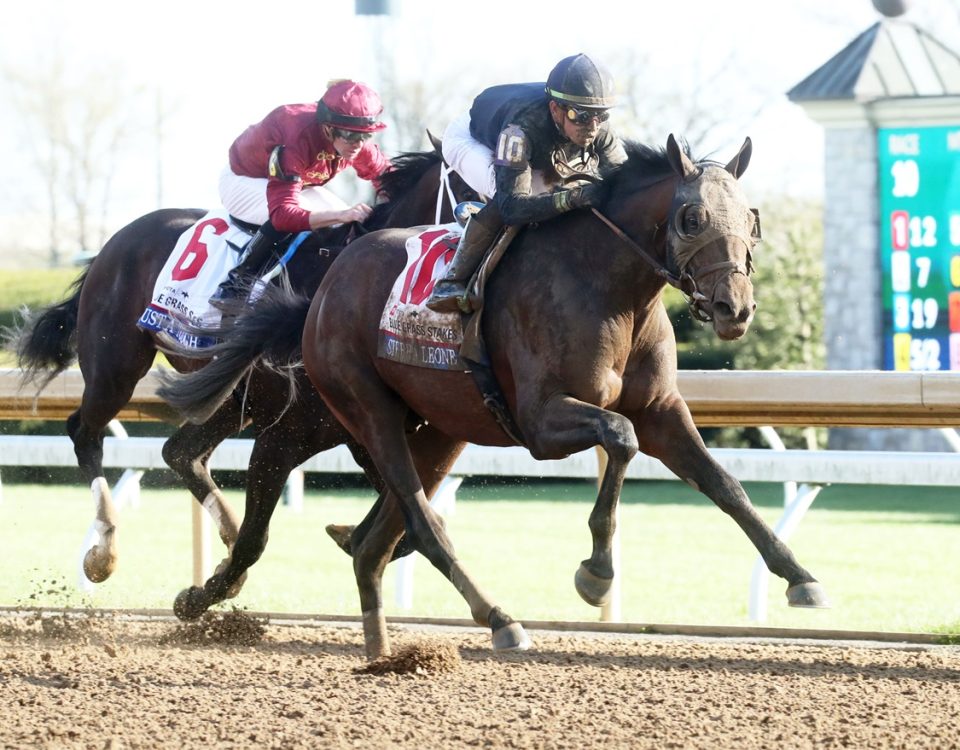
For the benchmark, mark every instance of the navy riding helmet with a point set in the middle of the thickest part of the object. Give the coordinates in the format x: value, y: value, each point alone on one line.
x: 582, y: 82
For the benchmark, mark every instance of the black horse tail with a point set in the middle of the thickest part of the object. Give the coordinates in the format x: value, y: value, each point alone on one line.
x: 268, y: 334
x: 45, y: 342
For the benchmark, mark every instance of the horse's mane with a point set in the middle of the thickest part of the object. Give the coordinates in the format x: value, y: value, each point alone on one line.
x: 407, y: 170
x: 645, y: 166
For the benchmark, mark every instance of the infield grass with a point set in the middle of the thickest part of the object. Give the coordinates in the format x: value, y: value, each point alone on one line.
x: 889, y: 557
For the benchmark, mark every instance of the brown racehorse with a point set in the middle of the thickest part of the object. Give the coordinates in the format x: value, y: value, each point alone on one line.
x: 582, y: 348
x: 96, y: 325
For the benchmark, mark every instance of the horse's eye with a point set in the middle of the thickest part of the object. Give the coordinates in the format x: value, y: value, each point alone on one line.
x: 694, y: 219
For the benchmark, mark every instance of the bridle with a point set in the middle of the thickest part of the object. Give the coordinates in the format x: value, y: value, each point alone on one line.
x: 687, y: 245
x: 677, y: 273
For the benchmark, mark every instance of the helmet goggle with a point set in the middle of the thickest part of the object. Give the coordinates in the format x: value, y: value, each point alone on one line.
x: 584, y: 116
x: 351, y: 136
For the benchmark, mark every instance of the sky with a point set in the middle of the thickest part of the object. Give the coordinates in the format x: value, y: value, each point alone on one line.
x: 214, y: 67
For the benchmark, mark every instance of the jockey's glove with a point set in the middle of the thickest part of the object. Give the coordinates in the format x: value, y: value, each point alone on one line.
x: 583, y: 196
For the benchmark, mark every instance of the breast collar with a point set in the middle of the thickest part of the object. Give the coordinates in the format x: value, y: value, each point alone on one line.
x: 582, y: 161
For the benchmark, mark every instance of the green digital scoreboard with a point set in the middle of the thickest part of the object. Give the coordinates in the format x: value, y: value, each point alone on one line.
x: 920, y: 247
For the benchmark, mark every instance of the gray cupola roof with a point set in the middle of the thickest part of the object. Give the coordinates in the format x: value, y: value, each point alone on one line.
x: 890, y: 60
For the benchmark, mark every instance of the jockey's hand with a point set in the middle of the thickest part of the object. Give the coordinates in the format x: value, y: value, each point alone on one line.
x: 584, y: 196
x: 359, y: 212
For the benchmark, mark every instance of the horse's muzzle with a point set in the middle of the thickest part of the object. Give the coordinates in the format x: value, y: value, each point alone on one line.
x: 733, y: 306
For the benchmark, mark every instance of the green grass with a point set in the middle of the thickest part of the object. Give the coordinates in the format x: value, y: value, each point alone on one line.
x: 35, y: 288
x: 888, y: 556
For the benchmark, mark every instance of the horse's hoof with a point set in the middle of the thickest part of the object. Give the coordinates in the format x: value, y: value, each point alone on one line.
x: 809, y: 595
x: 190, y: 603
x: 511, y: 637
x: 593, y: 589
x: 98, y: 566
x: 341, y: 535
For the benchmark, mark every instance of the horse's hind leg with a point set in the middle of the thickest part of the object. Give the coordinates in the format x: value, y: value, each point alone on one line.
x: 100, y: 560
x: 433, y: 455
x: 668, y: 433
x: 188, y: 452
x: 106, y: 391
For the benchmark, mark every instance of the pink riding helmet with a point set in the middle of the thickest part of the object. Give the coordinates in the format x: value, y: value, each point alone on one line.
x: 351, y: 106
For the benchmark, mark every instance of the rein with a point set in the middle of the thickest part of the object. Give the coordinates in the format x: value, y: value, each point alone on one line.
x: 658, y: 268
x: 685, y: 282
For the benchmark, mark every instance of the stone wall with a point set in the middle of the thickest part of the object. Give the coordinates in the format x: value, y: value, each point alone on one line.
x: 851, y: 261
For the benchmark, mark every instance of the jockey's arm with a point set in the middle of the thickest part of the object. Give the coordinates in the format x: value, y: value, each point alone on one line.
x: 610, y: 148
x: 517, y: 204
x: 287, y: 215
x: 370, y: 163
x: 329, y: 217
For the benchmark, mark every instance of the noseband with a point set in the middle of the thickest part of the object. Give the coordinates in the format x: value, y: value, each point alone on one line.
x: 687, y: 246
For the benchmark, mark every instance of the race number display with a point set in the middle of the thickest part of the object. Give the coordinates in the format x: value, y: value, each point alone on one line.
x: 920, y: 247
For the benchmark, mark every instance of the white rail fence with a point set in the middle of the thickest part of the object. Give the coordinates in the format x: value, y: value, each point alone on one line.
x: 715, y: 397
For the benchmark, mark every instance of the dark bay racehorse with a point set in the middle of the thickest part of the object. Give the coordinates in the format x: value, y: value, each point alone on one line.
x: 582, y: 348
x: 96, y: 325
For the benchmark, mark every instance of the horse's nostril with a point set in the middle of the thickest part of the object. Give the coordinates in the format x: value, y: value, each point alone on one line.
x: 722, y: 310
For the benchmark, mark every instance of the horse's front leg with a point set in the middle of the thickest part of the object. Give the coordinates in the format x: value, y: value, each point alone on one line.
x: 666, y: 431
x: 565, y: 425
x: 188, y: 452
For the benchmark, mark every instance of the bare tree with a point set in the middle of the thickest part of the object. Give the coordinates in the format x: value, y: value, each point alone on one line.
x: 79, y: 124
x: 695, y: 108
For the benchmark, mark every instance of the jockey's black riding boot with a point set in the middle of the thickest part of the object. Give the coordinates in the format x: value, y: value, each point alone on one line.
x: 450, y: 293
x: 255, y: 256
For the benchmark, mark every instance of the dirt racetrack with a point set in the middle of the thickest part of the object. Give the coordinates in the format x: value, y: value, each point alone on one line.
x: 232, y: 681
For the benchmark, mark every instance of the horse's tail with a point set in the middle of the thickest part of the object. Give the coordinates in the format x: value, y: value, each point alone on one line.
x: 46, y: 342
x: 269, y: 333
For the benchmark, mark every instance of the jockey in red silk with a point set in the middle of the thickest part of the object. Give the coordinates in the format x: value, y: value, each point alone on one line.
x: 516, y: 140
x: 278, y: 166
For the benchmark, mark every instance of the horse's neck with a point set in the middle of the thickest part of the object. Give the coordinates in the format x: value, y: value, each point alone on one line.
x: 643, y: 214
x: 642, y: 217
x: 580, y: 255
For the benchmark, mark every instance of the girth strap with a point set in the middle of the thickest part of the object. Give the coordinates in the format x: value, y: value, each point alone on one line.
x: 494, y: 400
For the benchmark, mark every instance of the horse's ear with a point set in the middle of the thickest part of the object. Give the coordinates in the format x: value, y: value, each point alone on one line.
x: 437, y: 144
x: 738, y: 164
x: 679, y: 160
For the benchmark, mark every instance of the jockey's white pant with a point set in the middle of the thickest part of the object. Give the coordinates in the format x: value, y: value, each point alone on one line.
x: 246, y: 197
x: 468, y: 157
x: 474, y: 162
